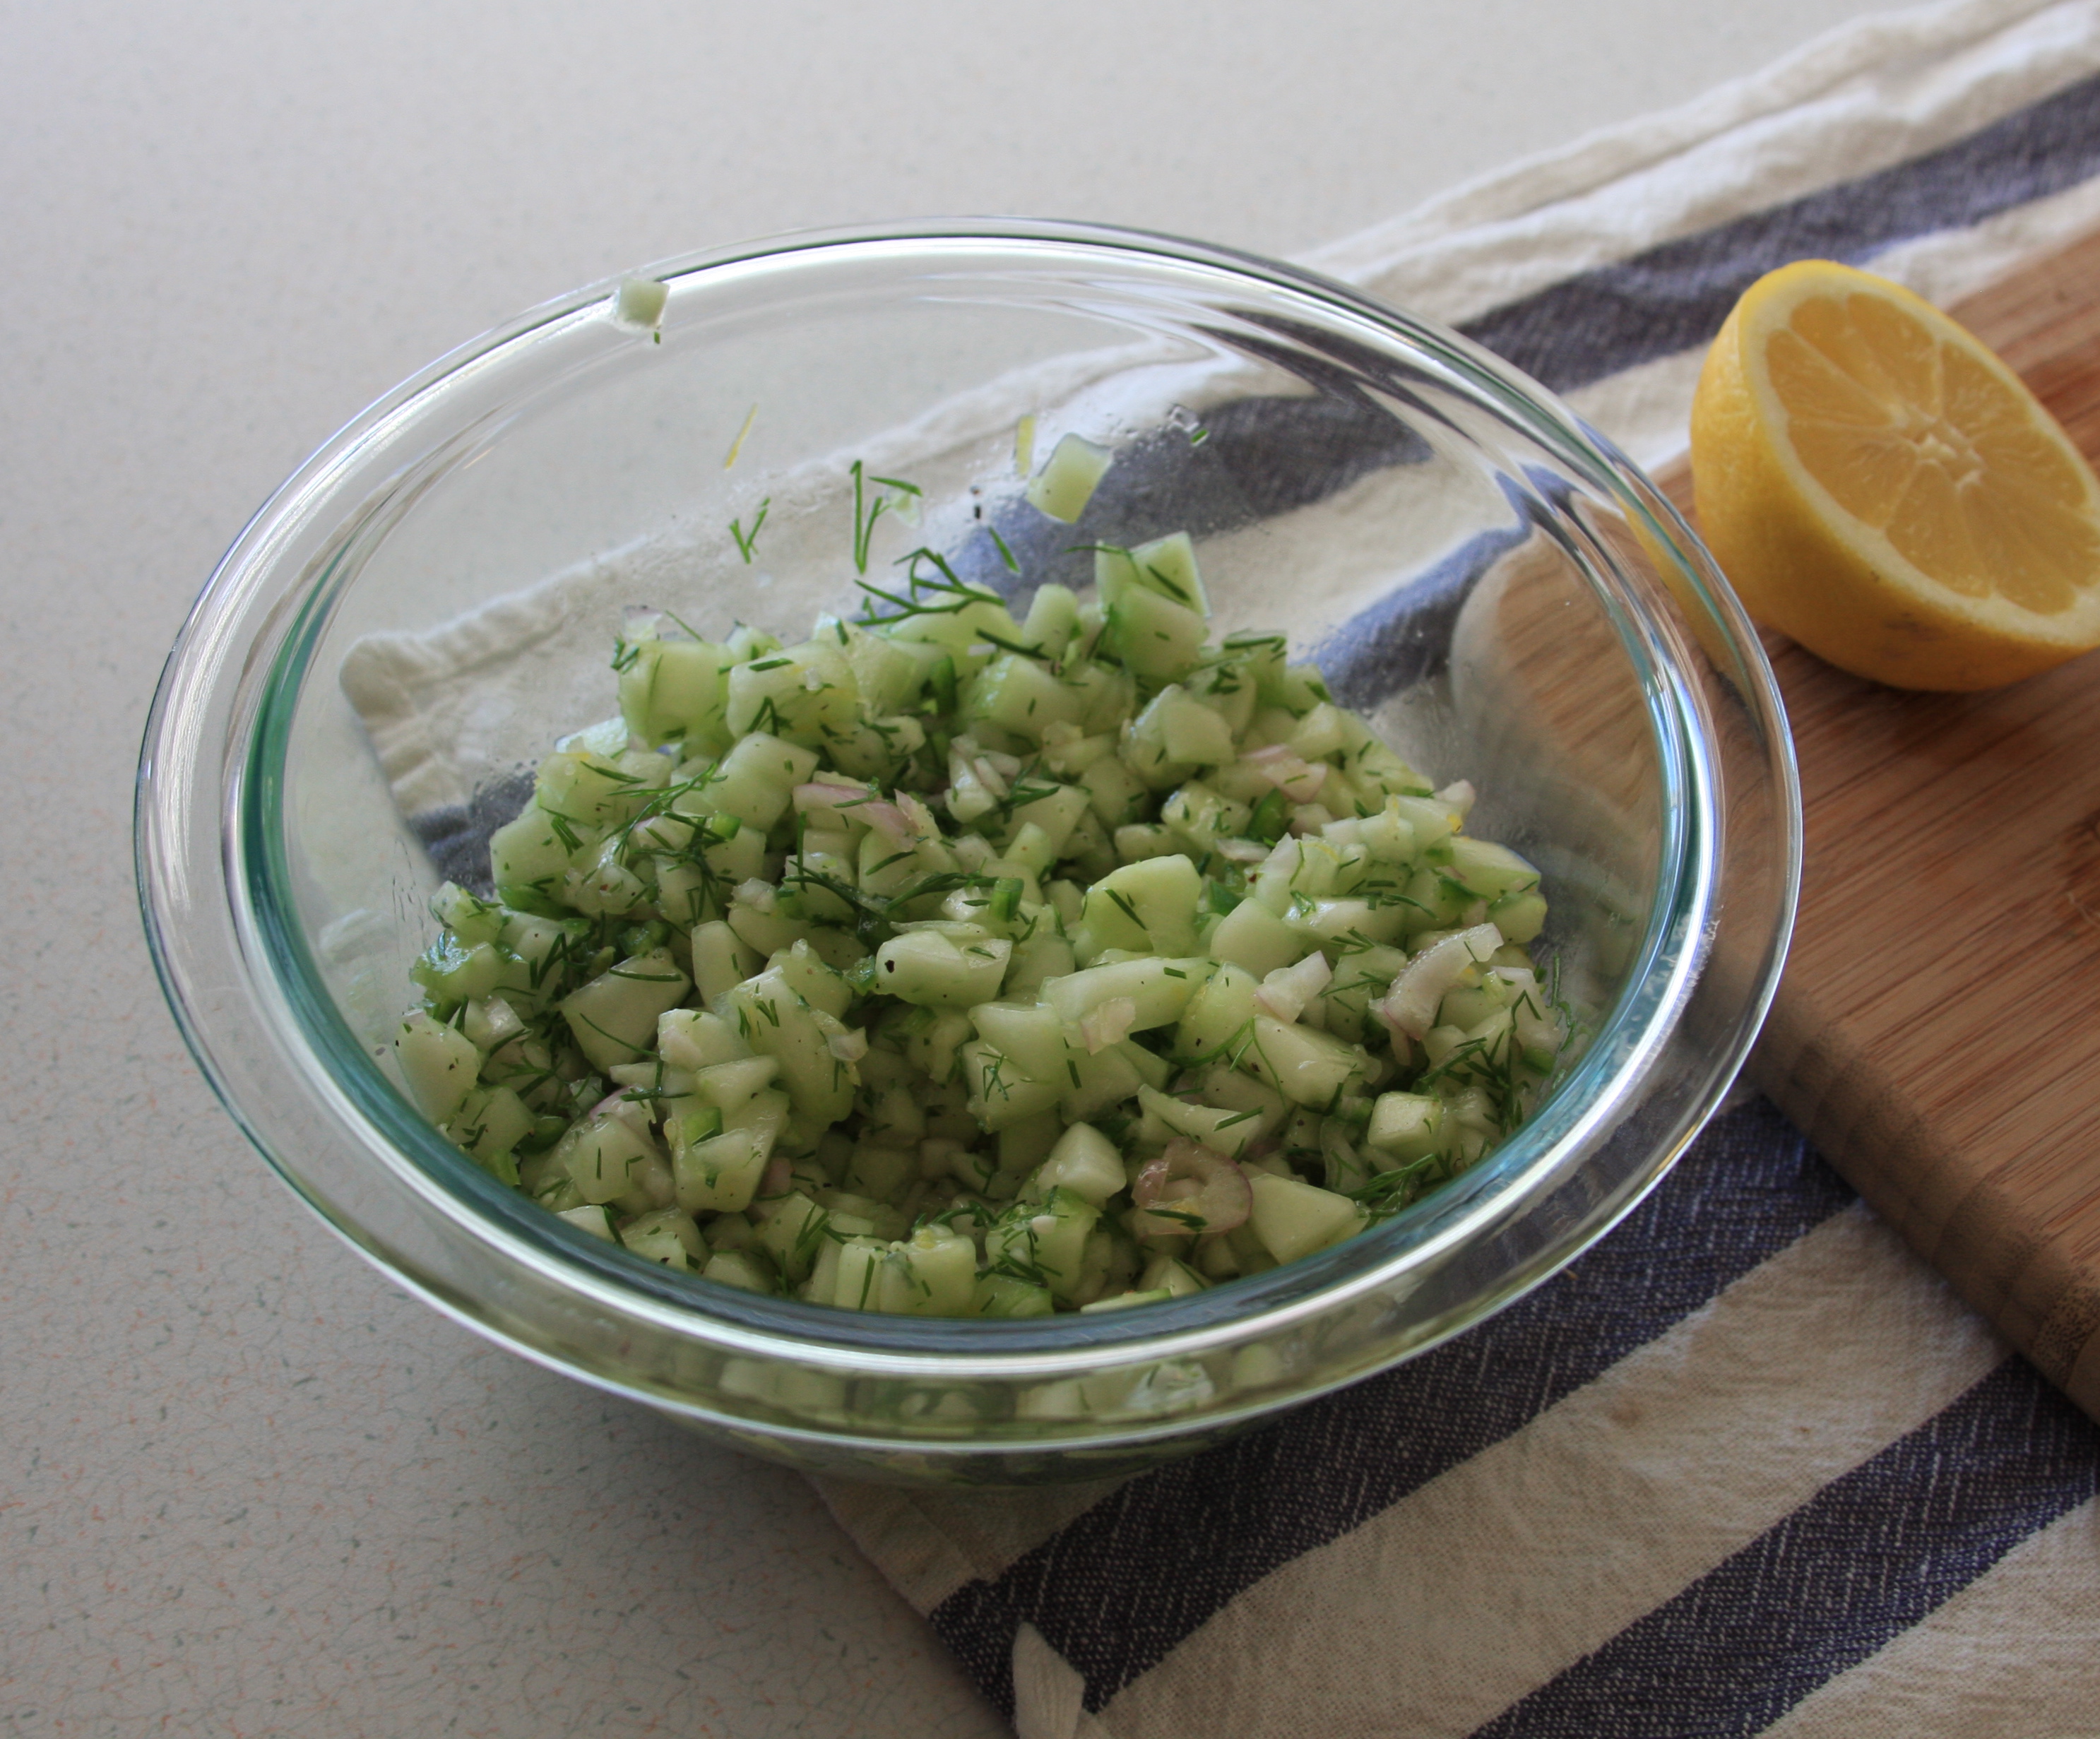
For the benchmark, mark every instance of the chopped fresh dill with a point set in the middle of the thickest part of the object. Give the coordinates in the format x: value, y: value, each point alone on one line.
x: 748, y: 541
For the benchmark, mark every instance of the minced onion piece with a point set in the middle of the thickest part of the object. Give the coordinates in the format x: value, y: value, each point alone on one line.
x: 1412, y: 1002
x: 1285, y: 992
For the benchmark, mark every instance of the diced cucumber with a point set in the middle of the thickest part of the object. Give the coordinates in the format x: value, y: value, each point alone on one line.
x: 1362, y: 977
x: 1054, y: 619
x: 1032, y: 1034
x: 791, y: 1233
x: 439, y: 1064
x: 718, y: 1174
x: 674, y: 690
x: 804, y: 694
x: 926, y: 967
x: 816, y: 983
x: 453, y: 973
x: 1253, y: 937
x: 1294, y: 1219
x: 1213, y: 1126
x: 613, y: 1018
x: 1018, y: 695
x: 1095, y: 1084
x: 741, y: 1270
x: 532, y: 850
x: 1154, y: 636
x: 594, y: 1220
x: 932, y: 1041
x: 1058, y: 813
x: 756, y: 780
x: 1307, y: 1067
x: 1490, y: 870
x: 772, y: 1019
x: 607, y: 1157
x: 1520, y: 915
x: 765, y: 924
x: 1085, y: 1161
x: 667, y: 1235
x: 491, y: 1122
x: 1220, y: 1016
x: 1148, y: 907
x: 1171, y: 1278
x: 1043, y: 1243
x: 1007, y: 1295
x: 692, y: 1040
x: 587, y: 790
x: 722, y: 960
x: 729, y: 1086
x: 1165, y: 566
x: 934, y: 1274
x: 1066, y: 483
x: 1185, y: 730
x: 469, y: 918
x: 1001, y: 1093
x: 1202, y: 817
x: 1158, y: 991
x: 1406, y: 1126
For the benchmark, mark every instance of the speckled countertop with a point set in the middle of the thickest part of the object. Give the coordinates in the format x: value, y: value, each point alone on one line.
x: 246, y: 1487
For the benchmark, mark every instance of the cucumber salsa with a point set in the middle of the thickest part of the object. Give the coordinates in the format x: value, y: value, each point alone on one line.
x: 955, y: 964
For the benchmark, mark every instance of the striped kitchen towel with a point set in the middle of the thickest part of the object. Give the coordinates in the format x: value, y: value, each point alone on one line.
x: 1747, y: 1467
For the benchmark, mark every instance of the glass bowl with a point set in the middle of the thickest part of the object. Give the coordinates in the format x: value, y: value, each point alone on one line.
x: 407, y: 625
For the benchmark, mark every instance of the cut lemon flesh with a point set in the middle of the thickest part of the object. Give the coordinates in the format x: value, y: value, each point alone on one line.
x: 1880, y: 486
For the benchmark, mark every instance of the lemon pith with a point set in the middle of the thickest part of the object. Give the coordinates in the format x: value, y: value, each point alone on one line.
x: 1880, y: 486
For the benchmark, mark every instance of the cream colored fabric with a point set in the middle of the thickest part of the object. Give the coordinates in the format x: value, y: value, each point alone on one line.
x: 1601, y: 1508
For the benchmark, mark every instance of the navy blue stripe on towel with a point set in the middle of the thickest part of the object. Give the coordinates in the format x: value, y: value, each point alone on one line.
x: 1116, y: 1589
x: 1677, y: 295
x: 1861, y: 1562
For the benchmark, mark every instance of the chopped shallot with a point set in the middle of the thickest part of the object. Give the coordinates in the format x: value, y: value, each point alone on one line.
x: 779, y: 1174
x: 1189, y: 1188
x: 1108, y: 1023
x: 1410, y: 1005
x: 1285, y: 992
x: 820, y: 794
x: 919, y: 820
x: 1297, y: 779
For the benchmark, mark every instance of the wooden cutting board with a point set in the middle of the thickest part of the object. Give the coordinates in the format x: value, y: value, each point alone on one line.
x: 1937, y: 1032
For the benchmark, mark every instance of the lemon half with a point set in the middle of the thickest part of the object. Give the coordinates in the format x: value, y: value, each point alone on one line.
x: 1880, y: 486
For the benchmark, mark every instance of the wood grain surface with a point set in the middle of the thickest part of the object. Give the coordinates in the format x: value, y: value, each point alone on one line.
x: 1937, y: 1033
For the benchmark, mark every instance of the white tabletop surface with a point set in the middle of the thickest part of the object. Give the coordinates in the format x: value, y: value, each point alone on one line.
x: 246, y: 1486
